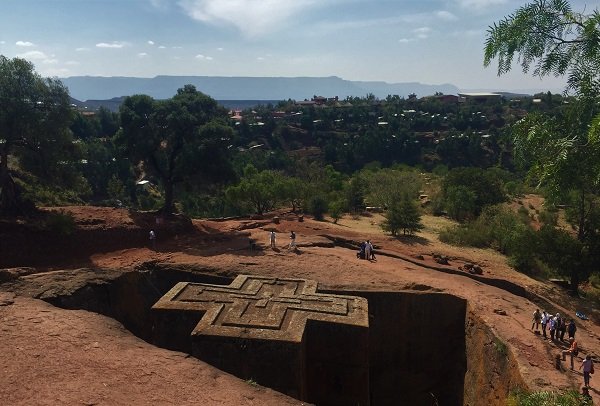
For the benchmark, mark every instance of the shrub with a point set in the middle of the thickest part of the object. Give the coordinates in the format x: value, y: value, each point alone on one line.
x: 60, y: 223
x: 317, y: 206
x: 568, y: 398
x: 403, y: 215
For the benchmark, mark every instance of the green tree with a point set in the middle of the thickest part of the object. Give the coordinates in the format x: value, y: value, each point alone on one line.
x: 386, y: 185
x: 467, y: 191
x: 181, y: 139
x: 262, y: 190
x: 35, y: 115
x: 403, y: 215
x: 563, y: 151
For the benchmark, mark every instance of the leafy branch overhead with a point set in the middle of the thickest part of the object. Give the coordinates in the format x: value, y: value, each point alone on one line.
x: 550, y: 37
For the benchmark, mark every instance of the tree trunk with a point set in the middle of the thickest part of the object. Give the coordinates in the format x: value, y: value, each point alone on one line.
x: 168, y: 207
x: 10, y: 203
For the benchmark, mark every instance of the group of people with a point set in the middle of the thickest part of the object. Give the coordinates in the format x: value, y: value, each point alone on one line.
x: 558, y: 326
x: 273, y: 239
x: 366, y: 251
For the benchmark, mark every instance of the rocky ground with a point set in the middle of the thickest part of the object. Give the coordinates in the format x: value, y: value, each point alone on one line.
x: 55, y: 356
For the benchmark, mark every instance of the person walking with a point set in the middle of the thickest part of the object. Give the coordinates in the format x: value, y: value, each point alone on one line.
x: 552, y: 322
x: 572, y: 351
x: 537, y: 318
x: 588, y: 368
x: 368, y: 248
x: 292, y: 246
x: 152, y: 238
x: 544, y: 323
x: 272, y: 238
x: 562, y: 328
x: 572, y: 328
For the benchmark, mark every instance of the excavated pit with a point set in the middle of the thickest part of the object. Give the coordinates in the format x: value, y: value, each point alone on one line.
x: 423, y: 348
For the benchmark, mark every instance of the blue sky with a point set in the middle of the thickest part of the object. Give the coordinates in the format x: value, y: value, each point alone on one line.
x: 428, y: 41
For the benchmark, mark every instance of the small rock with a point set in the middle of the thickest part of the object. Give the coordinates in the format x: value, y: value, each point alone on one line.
x: 419, y: 257
x: 500, y: 312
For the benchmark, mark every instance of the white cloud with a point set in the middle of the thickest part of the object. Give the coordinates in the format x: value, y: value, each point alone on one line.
x: 2, y: 42
x: 422, y: 32
x: 150, y: 42
x: 50, y: 61
x: 33, y: 55
x: 72, y: 63
x: 142, y: 54
x: 204, y: 57
x: 161, y: 47
x: 260, y: 58
x: 114, y: 44
x: 219, y: 49
x: 479, y: 4
x: 24, y: 44
x: 254, y: 18
x: 177, y: 47
x: 446, y: 15
x: 82, y: 49
x: 405, y: 40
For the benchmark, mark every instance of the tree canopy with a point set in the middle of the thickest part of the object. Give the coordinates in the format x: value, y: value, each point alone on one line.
x: 35, y: 114
x: 176, y: 140
x: 550, y: 37
x: 562, y: 150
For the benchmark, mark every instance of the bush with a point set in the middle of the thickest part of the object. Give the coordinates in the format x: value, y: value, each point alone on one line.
x: 60, y: 223
x: 403, y: 215
x: 317, y: 206
x: 568, y: 398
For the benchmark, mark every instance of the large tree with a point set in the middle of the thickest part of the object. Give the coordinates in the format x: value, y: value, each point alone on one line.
x: 181, y: 139
x: 35, y: 114
x: 563, y: 151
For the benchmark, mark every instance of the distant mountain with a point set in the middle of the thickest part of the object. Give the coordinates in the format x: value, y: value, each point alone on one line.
x: 243, y: 88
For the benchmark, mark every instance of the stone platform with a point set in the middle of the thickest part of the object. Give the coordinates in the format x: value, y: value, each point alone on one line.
x: 280, y: 333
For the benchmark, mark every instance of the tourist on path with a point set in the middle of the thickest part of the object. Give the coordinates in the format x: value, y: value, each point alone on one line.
x: 562, y: 328
x: 368, y: 248
x: 572, y: 328
x: 272, y: 238
x: 152, y: 238
x: 588, y: 368
x: 545, y: 318
x: 292, y: 246
x: 572, y: 351
x: 371, y: 249
x: 554, y: 324
x: 537, y: 318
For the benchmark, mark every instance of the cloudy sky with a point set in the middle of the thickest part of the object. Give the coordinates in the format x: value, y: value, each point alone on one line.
x: 428, y: 41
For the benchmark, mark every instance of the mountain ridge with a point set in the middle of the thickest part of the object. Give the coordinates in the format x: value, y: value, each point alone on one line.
x: 244, y: 87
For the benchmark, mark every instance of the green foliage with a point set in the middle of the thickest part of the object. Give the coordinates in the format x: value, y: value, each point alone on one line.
x: 261, y: 190
x: 467, y: 190
x: 35, y: 115
x: 60, y: 223
x: 545, y: 398
x: 562, y: 150
x: 551, y: 37
x: 402, y: 215
x: 317, y: 206
x: 336, y: 209
x: 182, y: 139
x: 384, y: 186
x: 501, y: 347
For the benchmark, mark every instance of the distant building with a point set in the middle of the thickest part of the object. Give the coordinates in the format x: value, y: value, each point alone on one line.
x: 481, y: 97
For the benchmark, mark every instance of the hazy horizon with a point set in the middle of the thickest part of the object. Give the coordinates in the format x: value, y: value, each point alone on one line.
x: 430, y: 42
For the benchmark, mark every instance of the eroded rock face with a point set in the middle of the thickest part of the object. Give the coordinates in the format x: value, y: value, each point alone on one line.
x: 278, y: 332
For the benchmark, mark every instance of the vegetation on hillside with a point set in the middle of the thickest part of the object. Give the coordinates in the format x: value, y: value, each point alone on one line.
x: 404, y: 155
